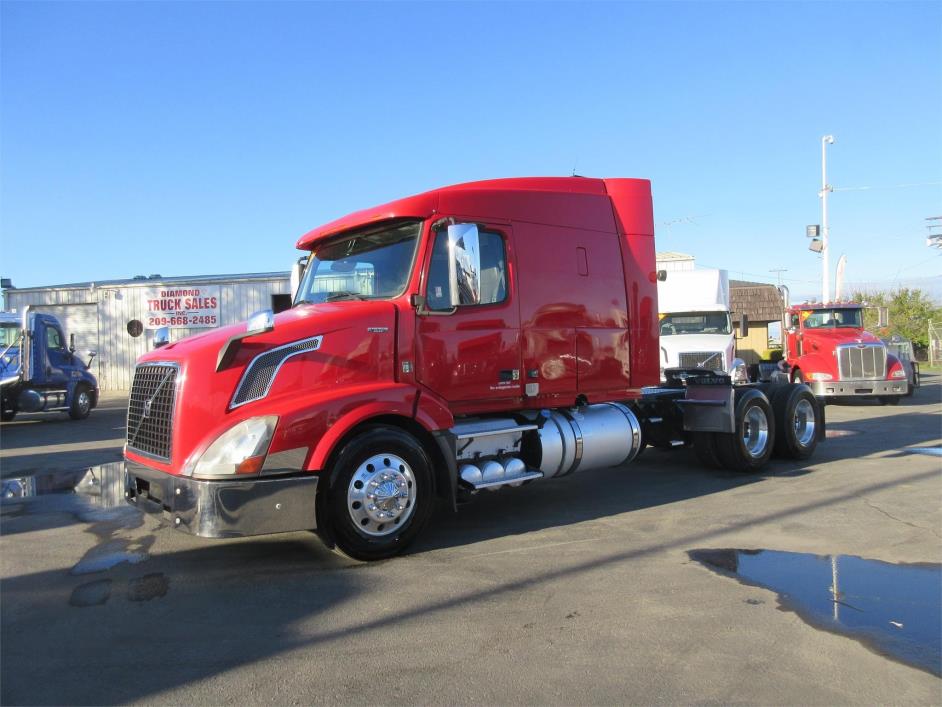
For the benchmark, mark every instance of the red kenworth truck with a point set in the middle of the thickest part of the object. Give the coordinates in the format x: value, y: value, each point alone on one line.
x: 477, y: 336
x: 825, y: 346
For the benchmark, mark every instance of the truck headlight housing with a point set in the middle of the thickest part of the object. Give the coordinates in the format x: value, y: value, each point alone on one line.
x: 821, y: 377
x: 239, y: 450
x: 898, y: 373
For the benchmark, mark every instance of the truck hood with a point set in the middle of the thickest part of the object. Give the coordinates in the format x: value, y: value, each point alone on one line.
x: 10, y: 365
x: 829, y: 338
x: 357, y: 345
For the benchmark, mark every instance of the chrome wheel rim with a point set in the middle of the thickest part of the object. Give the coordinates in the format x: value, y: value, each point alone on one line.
x: 84, y: 402
x: 755, y: 431
x: 381, y: 495
x: 804, y: 422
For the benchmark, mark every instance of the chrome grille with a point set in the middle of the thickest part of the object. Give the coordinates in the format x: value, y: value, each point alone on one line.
x: 712, y: 360
x: 150, y: 410
x: 861, y: 362
x: 261, y: 372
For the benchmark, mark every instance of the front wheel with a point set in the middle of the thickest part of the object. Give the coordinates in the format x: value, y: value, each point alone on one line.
x: 81, y: 403
x: 750, y: 446
x: 380, y: 493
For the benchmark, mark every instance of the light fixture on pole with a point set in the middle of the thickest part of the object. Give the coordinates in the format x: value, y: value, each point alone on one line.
x: 825, y: 188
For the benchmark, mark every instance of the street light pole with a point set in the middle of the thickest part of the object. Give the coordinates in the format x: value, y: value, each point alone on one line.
x: 825, y: 188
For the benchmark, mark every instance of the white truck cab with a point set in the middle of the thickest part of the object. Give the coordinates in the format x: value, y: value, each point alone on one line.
x: 695, y: 327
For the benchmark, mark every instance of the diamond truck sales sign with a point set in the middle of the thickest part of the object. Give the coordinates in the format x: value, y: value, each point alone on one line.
x: 182, y: 307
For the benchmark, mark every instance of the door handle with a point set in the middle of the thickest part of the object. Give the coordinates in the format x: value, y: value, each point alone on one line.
x: 48, y: 371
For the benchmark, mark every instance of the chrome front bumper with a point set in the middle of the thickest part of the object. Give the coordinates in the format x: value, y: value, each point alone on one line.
x: 224, y: 509
x: 830, y: 389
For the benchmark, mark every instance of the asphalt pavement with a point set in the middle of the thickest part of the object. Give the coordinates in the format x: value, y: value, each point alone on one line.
x: 572, y: 591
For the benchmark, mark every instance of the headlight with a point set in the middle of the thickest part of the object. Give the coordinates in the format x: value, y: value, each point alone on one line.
x: 239, y: 450
x: 821, y: 377
x: 898, y: 373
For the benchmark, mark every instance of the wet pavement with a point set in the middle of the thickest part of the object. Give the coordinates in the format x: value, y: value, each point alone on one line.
x: 896, y: 609
x: 572, y: 591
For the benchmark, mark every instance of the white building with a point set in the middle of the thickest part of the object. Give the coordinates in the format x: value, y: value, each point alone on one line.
x: 118, y: 318
x: 673, y: 262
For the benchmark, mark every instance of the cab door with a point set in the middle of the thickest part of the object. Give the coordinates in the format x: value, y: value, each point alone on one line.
x: 468, y: 347
x: 58, y: 358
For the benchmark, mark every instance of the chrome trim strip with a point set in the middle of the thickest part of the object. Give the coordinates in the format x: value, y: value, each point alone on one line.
x: 577, y: 431
x: 248, y: 369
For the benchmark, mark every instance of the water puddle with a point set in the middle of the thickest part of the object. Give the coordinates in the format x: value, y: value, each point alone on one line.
x: 148, y: 587
x: 931, y: 451
x: 94, y: 496
x: 91, y: 593
x: 893, y: 609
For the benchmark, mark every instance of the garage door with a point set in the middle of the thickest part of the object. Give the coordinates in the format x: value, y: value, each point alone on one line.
x: 78, y: 319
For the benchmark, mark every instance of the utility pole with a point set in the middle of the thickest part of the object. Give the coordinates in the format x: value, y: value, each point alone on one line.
x: 825, y: 188
x: 778, y: 272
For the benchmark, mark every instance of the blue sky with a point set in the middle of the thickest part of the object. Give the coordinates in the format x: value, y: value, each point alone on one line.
x: 190, y: 138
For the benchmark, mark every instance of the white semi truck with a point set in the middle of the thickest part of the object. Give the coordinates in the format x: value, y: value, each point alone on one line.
x: 696, y: 330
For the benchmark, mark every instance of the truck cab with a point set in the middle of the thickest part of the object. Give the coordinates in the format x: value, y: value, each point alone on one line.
x: 475, y: 337
x: 695, y: 327
x: 826, y: 346
x: 39, y: 372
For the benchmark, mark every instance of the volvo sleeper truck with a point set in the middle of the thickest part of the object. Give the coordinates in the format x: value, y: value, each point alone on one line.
x: 826, y: 346
x: 475, y: 337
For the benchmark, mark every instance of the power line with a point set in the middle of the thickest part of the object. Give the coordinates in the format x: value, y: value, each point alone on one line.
x: 889, y: 186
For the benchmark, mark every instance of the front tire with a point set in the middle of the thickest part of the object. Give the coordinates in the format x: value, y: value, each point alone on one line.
x: 81, y: 403
x: 8, y: 414
x: 380, y: 495
x: 748, y: 449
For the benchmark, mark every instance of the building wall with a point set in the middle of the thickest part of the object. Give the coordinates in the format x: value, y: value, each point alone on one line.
x: 751, y: 348
x: 99, y: 317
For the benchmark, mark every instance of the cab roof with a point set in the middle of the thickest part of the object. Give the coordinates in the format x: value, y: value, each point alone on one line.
x: 570, y: 198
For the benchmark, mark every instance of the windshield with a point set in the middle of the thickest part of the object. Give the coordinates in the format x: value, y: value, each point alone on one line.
x: 9, y: 333
x: 832, y: 318
x: 372, y: 264
x: 695, y: 323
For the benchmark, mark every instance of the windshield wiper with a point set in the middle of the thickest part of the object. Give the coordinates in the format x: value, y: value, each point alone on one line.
x: 334, y: 296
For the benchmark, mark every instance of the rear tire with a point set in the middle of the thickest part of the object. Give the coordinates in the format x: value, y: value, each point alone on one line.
x: 889, y: 399
x: 380, y: 494
x: 748, y: 449
x: 797, y: 421
x: 704, y: 446
x: 7, y: 415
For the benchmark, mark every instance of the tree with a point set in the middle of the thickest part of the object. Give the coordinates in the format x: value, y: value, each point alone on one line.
x: 910, y: 312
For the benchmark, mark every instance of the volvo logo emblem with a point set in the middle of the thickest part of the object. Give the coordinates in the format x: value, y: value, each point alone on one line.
x: 147, y: 406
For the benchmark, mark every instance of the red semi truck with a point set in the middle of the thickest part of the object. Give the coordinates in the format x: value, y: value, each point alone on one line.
x: 477, y: 336
x: 826, y: 346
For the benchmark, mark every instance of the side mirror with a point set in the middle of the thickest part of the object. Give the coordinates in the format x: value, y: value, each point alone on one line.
x: 72, y: 343
x: 297, y: 271
x: 260, y: 322
x: 883, y: 317
x: 662, y: 275
x: 161, y: 337
x: 91, y: 355
x: 743, y: 326
x: 464, y: 264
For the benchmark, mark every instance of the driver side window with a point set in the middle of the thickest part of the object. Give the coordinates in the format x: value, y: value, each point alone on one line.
x: 53, y: 339
x: 493, y: 271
